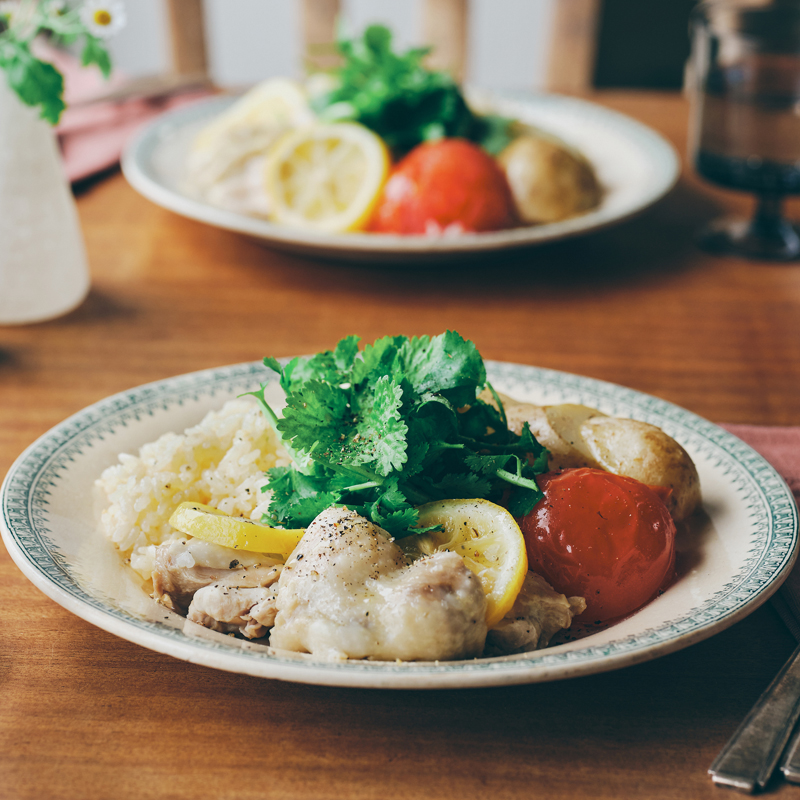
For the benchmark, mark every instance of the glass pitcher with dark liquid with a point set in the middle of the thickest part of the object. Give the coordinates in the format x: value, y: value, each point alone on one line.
x: 745, y: 128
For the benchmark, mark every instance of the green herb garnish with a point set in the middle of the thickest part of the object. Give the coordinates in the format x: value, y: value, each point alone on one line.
x: 405, y: 103
x: 391, y: 427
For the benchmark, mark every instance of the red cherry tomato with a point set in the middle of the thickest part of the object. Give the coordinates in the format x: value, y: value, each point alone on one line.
x: 607, y: 538
x: 443, y: 183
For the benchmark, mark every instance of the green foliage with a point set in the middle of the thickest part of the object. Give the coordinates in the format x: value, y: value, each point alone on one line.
x: 405, y: 103
x: 394, y: 426
x: 94, y: 52
x: 36, y: 82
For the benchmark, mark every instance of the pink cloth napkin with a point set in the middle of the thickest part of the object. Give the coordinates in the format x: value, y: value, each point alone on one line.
x: 781, y: 447
x: 92, y: 137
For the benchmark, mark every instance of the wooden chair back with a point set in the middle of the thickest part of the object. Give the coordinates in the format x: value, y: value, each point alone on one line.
x: 445, y: 26
x: 584, y: 34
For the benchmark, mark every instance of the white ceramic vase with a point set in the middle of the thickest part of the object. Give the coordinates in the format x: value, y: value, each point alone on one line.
x: 43, y: 269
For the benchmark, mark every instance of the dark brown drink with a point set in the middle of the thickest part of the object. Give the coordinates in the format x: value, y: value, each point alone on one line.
x: 752, y: 174
x: 746, y: 117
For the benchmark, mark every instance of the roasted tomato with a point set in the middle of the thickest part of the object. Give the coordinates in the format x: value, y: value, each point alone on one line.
x: 450, y: 182
x: 604, y: 537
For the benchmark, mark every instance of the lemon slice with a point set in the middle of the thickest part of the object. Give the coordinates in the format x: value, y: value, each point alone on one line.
x: 210, y: 525
x: 489, y: 540
x: 326, y: 177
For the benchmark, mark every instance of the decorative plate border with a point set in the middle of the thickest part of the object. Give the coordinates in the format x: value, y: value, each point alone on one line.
x: 770, y: 505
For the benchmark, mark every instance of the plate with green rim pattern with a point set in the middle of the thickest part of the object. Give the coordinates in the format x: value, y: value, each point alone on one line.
x: 731, y: 559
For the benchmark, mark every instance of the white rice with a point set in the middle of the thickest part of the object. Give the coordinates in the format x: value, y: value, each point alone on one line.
x: 220, y: 462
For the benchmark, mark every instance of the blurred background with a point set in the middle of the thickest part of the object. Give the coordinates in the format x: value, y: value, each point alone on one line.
x: 511, y: 44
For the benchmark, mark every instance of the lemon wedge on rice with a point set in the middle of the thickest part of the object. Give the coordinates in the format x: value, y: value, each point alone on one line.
x: 326, y: 177
x: 210, y: 525
x: 489, y: 540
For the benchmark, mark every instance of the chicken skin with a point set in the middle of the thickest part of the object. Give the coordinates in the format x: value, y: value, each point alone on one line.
x: 348, y: 591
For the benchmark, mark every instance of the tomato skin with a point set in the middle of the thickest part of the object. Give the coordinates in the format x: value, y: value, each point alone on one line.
x: 441, y: 183
x: 604, y: 537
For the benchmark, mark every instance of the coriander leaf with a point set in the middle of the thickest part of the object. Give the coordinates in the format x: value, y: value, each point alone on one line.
x: 380, y: 435
x: 447, y: 364
x: 483, y: 421
x: 299, y: 512
x: 464, y: 485
x: 274, y: 364
x: 395, y: 95
x: 317, y: 416
x: 434, y: 418
x: 528, y: 444
x: 285, y: 372
x: 487, y: 464
x: 517, y: 479
x: 398, y: 523
x: 377, y: 359
x: 523, y: 501
x: 332, y: 366
x: 296, y: 498
x: 346, y: 351
x: 395, y: 426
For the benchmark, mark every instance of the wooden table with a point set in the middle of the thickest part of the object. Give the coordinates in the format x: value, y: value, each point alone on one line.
x: 86, y: 715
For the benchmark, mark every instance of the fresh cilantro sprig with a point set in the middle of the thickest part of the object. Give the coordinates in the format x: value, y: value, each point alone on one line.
x: 391, y: 427
x: 405, y: 103
x: 37, y: 82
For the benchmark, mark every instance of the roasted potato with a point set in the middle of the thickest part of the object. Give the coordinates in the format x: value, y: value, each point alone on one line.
x: 548, y: 181
x: 579, y: 436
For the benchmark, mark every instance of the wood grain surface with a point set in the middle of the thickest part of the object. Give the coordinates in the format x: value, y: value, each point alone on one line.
x: 86, y: 715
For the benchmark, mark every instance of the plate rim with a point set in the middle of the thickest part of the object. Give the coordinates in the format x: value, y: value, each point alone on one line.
x: 137, y: 168
x: 18, y: 502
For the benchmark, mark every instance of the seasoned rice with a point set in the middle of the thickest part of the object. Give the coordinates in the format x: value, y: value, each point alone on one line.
x: 219, y: 462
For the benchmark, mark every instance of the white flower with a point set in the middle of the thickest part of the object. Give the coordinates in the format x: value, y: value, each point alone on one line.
x: 7, y: 10
x: 103, y: 18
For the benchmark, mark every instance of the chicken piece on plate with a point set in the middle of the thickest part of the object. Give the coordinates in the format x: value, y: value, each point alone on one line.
x: 241, y: 602
x: 348, y: 591
x: 539, y: 612
x: 184, y: 566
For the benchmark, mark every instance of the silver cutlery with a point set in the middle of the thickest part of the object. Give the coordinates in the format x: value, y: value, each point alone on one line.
x: 751, y: 755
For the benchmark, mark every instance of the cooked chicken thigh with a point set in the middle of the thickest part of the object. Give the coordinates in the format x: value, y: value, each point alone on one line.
x: 243, y: 601
x: 184, y: 567
x: 539, y: 612
x: 348, y: 591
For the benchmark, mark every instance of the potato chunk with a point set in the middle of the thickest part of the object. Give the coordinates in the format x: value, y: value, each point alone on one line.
x: 579, y: 436
x: 549, y: 181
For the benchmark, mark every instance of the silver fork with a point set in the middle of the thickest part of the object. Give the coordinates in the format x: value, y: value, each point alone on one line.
x: 749, y: 758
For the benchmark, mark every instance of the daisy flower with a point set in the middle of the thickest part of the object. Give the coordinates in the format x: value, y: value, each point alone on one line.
x: 103, y: 18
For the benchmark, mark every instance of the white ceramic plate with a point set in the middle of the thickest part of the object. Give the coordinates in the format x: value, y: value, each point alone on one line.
x: 634, y: 164
x: 739, y: 549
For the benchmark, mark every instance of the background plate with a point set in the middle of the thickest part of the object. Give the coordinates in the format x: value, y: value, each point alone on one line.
x: 734, y: 557
x: 635, y: 165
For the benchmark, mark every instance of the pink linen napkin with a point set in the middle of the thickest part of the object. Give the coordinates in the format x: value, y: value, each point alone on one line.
x: 92, y: 135
x: 781, y: 447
